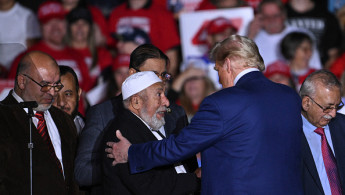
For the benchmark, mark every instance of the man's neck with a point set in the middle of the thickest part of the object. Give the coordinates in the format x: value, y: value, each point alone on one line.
x: 7, y: 5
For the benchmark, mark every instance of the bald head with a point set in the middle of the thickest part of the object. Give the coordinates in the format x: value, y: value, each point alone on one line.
x: 35, y: 70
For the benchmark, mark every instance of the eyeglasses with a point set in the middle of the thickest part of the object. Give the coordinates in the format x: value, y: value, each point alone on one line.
x: 46, y: 87
x: 165, y: 76
x: 328, y: 109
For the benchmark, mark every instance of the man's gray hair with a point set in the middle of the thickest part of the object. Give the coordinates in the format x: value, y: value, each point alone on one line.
x: 238, y: 47
x: 324, y: 77
x: 142, y: 94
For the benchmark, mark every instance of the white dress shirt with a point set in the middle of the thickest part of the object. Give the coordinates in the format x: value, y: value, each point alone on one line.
x: 52, y: 129
x: 178, y: 168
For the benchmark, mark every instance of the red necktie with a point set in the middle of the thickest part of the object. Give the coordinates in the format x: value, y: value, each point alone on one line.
x: 330, y: 163
x: 43, y: 131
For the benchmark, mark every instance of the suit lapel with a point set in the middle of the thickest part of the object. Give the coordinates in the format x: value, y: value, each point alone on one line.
x: 338, y: 137
x: 309, y: 163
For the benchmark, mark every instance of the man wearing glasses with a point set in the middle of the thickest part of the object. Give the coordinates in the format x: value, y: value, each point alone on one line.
x: 323, y: 143
x: 146, y: 57
x: 53, y: 133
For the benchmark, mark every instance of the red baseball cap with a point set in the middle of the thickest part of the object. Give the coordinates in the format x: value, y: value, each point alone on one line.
x: 49, y: 10
x: 219, y: 25
x: 122, y: 60
x: 277, y: 67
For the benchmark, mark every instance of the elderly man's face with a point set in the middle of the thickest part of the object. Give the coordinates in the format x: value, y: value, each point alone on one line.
x: 154, y: 106
x: 67, y: 99
x: 325, y: 98
x: 32, y: 91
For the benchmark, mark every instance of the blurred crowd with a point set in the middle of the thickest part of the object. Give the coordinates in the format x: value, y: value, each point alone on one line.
x: 95, y: 39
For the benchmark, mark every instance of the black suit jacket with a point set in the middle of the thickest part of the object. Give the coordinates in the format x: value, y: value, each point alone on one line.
x: 310, y: 176
x: 14, y: 153
x: 89, y: 154
x: 161, y: 180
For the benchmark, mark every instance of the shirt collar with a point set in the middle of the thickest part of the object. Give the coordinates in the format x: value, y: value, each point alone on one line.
x: 243, y: 73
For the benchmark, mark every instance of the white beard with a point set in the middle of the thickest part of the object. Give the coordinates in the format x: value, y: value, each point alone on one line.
x: 153, y: 122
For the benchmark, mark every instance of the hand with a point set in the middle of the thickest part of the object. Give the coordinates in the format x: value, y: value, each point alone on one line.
x: 119, y: 150
x: 198, y: 172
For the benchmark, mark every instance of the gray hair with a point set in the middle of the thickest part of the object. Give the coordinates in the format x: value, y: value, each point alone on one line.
x: 324, y: 77
x: 238, y: 47
x: 142, y: 94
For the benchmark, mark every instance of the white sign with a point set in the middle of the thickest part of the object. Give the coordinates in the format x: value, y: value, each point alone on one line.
x: 192, y: 25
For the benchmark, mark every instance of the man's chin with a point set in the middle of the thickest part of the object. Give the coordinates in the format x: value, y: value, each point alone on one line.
x: 42, y: 107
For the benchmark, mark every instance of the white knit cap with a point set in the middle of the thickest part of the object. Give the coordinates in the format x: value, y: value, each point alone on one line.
x: 138, y: 82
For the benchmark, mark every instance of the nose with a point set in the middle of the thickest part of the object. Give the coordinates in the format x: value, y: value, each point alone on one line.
x: 60, y: 100
x: 165, y: 101
x: 333, y: 113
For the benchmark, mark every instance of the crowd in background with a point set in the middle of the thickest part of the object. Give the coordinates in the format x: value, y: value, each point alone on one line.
x: 95, y: 38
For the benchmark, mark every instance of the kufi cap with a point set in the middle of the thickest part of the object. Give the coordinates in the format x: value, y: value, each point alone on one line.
x: 138, y: 82
x: 49, y: 10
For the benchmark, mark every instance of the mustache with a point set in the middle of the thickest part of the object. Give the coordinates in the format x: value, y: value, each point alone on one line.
x: 327, y: 116
x: 162, y: 109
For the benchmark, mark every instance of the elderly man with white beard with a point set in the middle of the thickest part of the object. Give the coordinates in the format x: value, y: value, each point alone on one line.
x: 142, y: 121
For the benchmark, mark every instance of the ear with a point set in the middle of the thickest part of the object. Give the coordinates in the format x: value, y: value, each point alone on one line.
x: 79, y: 93
x: 136, y: 102
x: 306, y: 103
x: 131, y: 71
x: 21, y: 82
x: 227, y: 65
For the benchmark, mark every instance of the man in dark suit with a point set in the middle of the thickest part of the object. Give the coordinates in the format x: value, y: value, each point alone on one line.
x: 323, y: 146
x: 53, y: 133
x: 248, y: 133
x: 146, y: 57
x: 142, y: 121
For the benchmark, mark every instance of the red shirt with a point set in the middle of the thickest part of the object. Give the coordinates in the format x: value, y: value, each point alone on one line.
x: 66, y: 56
x: 155, y: 20
x: 338, y: 67
x: 104, y: 60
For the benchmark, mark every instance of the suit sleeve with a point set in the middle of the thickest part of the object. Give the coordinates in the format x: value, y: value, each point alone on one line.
x: 205, y: 129
x: 88, y: 159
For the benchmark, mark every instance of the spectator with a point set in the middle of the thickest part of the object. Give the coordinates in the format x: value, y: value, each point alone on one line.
x: 279, y: 72
x: 323, y: 139
x: 53, y: 133
x: 15, y: 39
x: 296, y: 48
x: 216, y: 31
x: 268, y: 28
x: 67, y: 99
x: 53, y: 28
x: 80, y: 37
x: 190, y: 88
x: 130, y: 39
x: 120, y: 72
x: 148, y: 16
x: 324, y: 26
x: 100, y: 27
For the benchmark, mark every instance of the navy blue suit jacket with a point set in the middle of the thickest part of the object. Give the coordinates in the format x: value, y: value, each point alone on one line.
x: 310, y: 177
x: 249, y: 136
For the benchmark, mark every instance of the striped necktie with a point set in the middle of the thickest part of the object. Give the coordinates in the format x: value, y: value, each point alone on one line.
x: 43, y: 131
